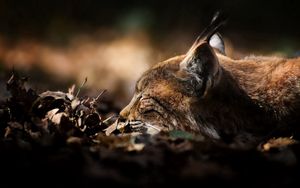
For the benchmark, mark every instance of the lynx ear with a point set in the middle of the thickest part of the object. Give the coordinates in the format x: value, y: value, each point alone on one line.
x: 217, y: 42
x: 201, y: 63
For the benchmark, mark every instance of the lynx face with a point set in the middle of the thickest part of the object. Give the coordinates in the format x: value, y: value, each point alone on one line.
x: 168, y: 94
x: 162, y: 100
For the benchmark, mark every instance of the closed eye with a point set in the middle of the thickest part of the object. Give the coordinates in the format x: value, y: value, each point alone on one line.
x: 147, y: 110
x: 148, y: 105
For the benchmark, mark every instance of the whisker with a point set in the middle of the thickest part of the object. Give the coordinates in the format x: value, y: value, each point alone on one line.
x: 136, y: 126
x: 135, y: 122
x: 152, y: 126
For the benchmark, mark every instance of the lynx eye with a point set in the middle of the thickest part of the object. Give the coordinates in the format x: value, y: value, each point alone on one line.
x: 148, y: 104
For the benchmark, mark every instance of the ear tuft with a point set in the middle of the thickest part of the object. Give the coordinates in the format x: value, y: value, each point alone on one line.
x: 217, y: 42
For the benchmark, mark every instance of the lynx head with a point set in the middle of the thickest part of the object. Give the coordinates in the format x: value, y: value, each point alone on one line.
x: 173, y: 94
x: 165, y: 94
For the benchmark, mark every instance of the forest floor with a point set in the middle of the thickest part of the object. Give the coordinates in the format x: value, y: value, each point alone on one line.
x: 58, y: 138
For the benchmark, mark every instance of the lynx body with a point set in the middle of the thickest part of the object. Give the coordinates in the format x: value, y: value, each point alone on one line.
x: 205, y: 92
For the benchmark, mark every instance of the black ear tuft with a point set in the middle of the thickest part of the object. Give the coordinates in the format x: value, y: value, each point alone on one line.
x: 217, y: 21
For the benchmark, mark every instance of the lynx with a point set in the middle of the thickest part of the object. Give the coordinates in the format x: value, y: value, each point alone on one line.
x: 205, y: 92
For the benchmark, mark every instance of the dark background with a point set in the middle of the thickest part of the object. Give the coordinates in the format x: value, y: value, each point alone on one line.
x: 37, y: 19
x: 253, y: 27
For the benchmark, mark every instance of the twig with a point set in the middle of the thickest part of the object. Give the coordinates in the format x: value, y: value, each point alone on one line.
x: 109, y: 118
x: 85, y: 80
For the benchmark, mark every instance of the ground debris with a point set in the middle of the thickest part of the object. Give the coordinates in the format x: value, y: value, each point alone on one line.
x: 63, y: 135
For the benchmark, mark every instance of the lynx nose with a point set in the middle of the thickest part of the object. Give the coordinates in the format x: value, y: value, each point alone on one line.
x: 128, y: 112
x: 124, y: 113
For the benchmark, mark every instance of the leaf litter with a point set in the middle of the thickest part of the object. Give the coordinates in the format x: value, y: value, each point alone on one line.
x: 64, y: 136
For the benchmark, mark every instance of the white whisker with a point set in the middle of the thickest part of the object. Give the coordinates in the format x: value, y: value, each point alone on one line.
x: 152, y: 126
x: 135, y: 122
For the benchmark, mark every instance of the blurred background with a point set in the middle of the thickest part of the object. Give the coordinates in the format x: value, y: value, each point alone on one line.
x: 59, y: 43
